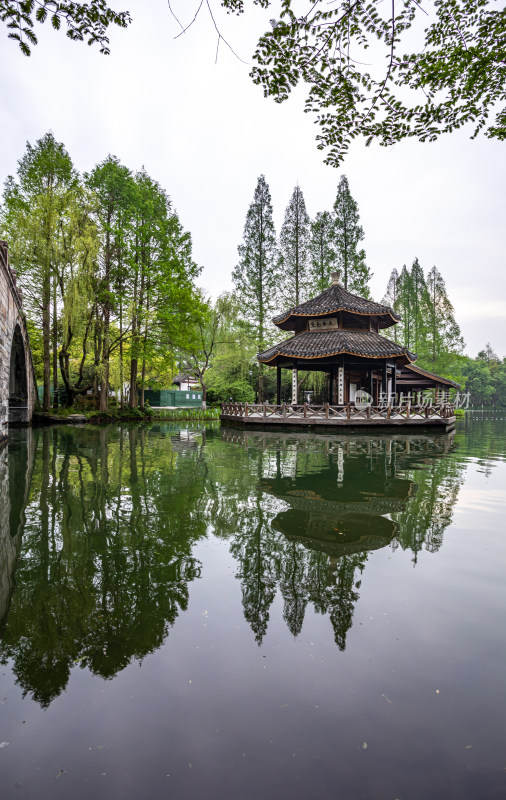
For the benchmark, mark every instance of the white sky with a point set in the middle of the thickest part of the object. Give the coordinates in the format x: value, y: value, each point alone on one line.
x: 205, y: 132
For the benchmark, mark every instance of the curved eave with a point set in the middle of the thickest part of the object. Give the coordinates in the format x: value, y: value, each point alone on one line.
x: 385, y: 319
x: 312, y: 347
x: 407, y: 357
x: 432, y: 376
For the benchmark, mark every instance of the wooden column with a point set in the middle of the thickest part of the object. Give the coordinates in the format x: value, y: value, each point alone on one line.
x: 340, y: 386
x: 295, y: 386
x: 371, y: 385
x: 385, y: 380
x: 278, y: 385
x: 394, y: 378
x: 331, y: 387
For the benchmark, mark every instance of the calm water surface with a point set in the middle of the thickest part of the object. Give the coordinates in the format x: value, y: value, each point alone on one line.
x: 207, y: 613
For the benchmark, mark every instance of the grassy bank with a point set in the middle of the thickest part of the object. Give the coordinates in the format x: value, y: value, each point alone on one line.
x: 147, y: 414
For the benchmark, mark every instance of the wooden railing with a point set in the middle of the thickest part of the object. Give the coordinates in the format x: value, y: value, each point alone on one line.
x: 346, y: 412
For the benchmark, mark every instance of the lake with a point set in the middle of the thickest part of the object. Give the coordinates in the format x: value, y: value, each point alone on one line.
x: 203, y: 612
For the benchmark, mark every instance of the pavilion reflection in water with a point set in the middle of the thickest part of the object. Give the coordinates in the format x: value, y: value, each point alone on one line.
x: 339, y: 496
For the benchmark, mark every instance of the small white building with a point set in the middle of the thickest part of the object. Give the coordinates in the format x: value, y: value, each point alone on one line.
x: 185, y: 382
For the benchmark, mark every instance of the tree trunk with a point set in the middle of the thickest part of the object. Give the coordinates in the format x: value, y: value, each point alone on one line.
x: 70, y: 391
x: 46, y: 301
x: 134, y: 363
x: 55, y: 347
x: 121, y: 377
x: 104, y: 381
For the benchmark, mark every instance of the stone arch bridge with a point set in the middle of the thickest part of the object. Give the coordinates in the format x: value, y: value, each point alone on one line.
x: 18, y: 390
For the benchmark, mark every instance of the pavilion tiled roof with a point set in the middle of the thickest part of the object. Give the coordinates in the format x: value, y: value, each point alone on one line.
x: 432, y: 375
x: 316, y: 344
x: 337, y: 298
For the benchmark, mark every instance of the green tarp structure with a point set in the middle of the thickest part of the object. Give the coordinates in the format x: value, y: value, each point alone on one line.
x: 173, y: 397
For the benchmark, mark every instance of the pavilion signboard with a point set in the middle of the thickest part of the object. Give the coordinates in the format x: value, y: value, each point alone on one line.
x: 329, y: 324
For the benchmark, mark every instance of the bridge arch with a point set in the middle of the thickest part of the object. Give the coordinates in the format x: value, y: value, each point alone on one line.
x: 17, y: 380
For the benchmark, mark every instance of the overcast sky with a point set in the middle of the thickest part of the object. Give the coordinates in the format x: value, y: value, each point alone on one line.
x: 206, y: 133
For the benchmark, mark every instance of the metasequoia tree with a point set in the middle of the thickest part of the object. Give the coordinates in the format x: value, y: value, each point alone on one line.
x: 444, y: 332
x: 427, y: 324
x: 322, y: 252
x: 255, y: 276
x: 162, y: 274
x: 294, y: 250
x: 390, y: 299
x: 348, y: 233
x: 421, y: 310
x: 114, y: 190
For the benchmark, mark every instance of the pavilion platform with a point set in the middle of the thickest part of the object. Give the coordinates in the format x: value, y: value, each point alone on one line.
x: 438, y: 417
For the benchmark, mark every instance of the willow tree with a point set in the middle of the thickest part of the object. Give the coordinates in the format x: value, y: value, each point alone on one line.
x: 34, y: 220
x: 255, y: 276
x: 77, y: 288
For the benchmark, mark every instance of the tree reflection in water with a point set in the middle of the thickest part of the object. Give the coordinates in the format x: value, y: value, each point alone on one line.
x: 103, y: 563
x: 105, y: 557
x: 340, y: 499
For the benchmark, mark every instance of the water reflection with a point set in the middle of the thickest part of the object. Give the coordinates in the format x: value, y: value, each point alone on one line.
x: 106, y: 556
x: 16, y: 464
x: 339, y: 500
x: 104, y: 561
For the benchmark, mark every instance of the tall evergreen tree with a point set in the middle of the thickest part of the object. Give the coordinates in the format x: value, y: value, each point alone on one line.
x: 322, y: 252
x: 348, y: 233
x: 114, y: 190
x: 255, y: 275
x: 444, y: 332
x: 421, y: 310
x: 162, y: 272
x: 294, y: 246
x: 404, y: 307
x: 390, y: 299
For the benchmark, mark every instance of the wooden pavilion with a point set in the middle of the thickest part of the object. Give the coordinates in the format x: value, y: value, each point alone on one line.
x: 338, y: 333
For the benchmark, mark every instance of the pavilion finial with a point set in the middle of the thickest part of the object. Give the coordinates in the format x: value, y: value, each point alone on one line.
x: 336, y: 278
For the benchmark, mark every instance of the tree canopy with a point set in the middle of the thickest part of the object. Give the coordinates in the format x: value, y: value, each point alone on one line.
x: 390, y: 71
x: 379, y: 71
x: 83, y: 21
